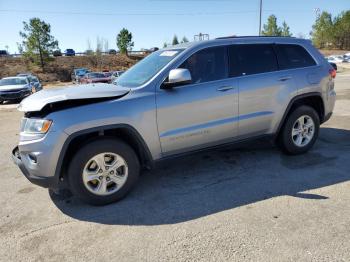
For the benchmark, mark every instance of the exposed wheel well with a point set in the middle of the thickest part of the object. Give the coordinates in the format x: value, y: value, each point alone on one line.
x: 314, y: 101
x: 126, y: 134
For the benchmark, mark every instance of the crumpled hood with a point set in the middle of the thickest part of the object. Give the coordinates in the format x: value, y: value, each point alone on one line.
x: 12, y: 87
x: 39, y: 100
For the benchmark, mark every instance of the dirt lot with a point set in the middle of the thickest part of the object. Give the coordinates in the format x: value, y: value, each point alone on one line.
x: 60, y: 68
x: 245, y: 203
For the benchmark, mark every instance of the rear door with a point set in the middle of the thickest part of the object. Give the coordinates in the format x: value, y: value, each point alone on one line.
x: 294, y: 60
x: 263, y: 90
x: 202, y: 113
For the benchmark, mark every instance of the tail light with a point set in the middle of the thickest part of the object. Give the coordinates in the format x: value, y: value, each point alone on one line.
x: 332, y: 73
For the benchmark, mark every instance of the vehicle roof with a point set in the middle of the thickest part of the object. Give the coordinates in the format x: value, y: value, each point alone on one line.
x: 239, y: 39
x: 90, y: 73
x: 14, y: 77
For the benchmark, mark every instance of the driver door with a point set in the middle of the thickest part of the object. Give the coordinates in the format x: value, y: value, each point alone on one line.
x: 202, y: 113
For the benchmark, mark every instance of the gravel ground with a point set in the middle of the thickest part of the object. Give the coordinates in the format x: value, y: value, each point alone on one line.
x: 244, y: 203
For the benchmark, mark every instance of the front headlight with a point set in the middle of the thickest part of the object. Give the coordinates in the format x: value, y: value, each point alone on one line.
x: 35, y: 126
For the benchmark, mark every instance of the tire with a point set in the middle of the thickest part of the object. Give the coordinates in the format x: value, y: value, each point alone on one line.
x: 81, y: 165
x: 293, y: 144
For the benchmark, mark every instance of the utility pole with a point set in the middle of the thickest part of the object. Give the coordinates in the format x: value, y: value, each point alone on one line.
x: 260, y: 18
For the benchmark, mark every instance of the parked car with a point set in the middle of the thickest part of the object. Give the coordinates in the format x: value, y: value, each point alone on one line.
x: 335, y: 59
x: 108, y: 75
x: 346, y: 59
x: 112, y: 52
x: 4, y: 53
x: 95, y: 77
x: 78, y: 73
x: 25, y: 74
x: 115, y: 75
x: 34, y: 81
x: 15, y: 88
x: 95, y: 139
x: 57, y: 53
x: 69, y: 52
x: 334, y: 65
x: 153, y: 49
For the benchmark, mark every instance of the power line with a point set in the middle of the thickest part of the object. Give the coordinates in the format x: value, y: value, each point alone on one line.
x: 125, y: 14
x: 43, y: 12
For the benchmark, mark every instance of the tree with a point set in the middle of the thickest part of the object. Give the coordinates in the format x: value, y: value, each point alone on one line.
x: 175, y: 40
x: 328, y: 32
x: 271, y: 28
x: 99, y: 44
x: 322, y: 30
x: 105, y: 45
x: 285, y: 30
x: 124, y: 41
x: 88, y: 42
x: 341, y: 30
x: 20, y: 48
x: 165, y: 45
x: 184, y: 40
x: 38, y: 43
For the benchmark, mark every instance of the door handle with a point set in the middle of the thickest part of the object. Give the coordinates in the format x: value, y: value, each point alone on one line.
x: 284, y: 78
x: 225, y: 88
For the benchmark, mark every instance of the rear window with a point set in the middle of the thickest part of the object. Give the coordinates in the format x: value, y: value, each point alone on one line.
x: 248, y: 59
x: 293, y: 56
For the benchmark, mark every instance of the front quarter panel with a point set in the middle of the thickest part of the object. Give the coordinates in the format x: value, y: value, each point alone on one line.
x: 137, y: 109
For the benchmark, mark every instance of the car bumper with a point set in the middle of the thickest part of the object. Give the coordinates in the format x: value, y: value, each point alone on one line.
x: 47, y: 182
x: 14, y: 95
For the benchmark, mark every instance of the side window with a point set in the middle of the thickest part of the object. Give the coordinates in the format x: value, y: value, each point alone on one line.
x: 206, y: 65
x: 248, y: 59
x: 293, y: 56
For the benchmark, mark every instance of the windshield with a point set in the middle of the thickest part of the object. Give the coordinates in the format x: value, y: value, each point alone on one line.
x: 147, y: 68
x: 12, y: 81
x: 81, y: 71
x: 96, y: 75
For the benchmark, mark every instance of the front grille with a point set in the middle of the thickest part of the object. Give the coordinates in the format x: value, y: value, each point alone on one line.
x: 13, y: 95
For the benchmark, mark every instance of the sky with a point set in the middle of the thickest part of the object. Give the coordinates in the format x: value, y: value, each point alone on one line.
x: 153, y: 22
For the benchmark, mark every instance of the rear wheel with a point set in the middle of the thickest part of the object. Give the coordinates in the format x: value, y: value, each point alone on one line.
x: 300, y: 131
x: 103, y: 171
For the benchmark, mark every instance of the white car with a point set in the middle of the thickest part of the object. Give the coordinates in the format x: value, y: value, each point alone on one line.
x: 346, y: 58
x: 335, y: 59
x: 15, y: 88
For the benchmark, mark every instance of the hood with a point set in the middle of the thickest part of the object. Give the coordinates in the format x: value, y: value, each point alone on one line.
x: 39, y: 100
x: 12, y: 87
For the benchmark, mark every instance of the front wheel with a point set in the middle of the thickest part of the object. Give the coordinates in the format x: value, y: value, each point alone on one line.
x: 103, y: 171
x: 300, y: 131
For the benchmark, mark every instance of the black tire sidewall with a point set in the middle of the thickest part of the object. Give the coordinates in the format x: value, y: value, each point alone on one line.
x: 286, y: 140
x: 88, y: 151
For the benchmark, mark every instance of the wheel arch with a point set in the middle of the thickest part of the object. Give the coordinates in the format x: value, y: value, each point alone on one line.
x: 313, y: 100
x: 124, y: 132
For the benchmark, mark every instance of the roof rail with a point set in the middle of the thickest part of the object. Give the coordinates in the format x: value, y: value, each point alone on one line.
x: 244, y: 36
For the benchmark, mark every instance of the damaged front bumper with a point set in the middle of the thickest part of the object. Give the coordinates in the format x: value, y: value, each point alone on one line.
x: 47, y: 182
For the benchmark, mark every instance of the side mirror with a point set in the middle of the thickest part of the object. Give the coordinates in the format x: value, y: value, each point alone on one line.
x: 179, y: 76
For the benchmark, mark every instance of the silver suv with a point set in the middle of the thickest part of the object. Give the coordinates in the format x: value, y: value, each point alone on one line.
x: 95, y: 139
